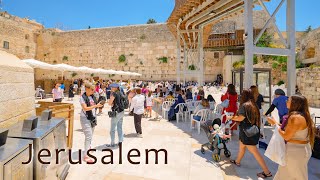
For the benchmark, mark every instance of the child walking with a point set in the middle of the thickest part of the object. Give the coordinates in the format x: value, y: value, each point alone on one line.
x: 149, y: 101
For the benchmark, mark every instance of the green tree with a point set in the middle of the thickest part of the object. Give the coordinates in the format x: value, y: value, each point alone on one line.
x: 151, y: 21
x: 308, y: 29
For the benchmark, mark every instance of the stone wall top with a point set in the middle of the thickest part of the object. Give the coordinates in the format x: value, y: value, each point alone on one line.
x: 10, y: 61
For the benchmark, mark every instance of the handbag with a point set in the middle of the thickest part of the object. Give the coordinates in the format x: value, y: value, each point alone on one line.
x: 252, y: 130
x: 112, y: 114
x: 92, y: 119
x: 225, y: 103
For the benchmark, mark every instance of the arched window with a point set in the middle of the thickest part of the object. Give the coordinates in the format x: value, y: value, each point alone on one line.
x: 26, y: 36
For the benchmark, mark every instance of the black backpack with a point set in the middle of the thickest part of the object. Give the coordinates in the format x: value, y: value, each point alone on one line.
x: 124, y: 101
x: 121, y: 102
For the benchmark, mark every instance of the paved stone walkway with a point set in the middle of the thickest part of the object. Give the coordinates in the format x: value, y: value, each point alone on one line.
x: 185, y: 161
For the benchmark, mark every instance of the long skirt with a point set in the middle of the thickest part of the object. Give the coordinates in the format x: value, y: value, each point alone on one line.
x: 297, y: 157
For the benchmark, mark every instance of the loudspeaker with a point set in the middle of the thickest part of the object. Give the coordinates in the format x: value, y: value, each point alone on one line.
x: 46, y: 115
x: 30, y: 123
x: 3, y: 136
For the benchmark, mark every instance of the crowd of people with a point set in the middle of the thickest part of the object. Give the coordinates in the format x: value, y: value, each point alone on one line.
x: 297, y: 127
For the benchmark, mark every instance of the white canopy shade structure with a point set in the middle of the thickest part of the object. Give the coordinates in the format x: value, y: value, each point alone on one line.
x: 68, y: 68
x: 38, y: 64
x: 65, y: 67
x: 85, y: 69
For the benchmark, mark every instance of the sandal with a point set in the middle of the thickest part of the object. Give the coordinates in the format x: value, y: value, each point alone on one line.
x: 234, y: 162
x: 88, y: 160
x: 264, y: 175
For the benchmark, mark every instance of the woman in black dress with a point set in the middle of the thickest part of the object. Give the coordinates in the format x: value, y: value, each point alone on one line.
x: 249, y: 116
x: 71, y: 93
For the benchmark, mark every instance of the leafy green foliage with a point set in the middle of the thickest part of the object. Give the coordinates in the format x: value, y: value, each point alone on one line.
x: 74, y: 74
x: 65, y: 58
x: 238, y: 64
x: 122, y: 58
x: 280, y: 82
x: 308, y: 29
x: 192, y: 67
x: 265, y: 40
x: 92, y: 75
x: 163, y: 59
x: 151, y: 21
x: 255, y: 59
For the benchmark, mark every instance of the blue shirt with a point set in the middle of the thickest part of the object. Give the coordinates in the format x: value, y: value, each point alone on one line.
x: 281, y: 104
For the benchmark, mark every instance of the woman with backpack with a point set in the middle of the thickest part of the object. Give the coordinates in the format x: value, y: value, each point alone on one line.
x: 88, y: 117
x: 231, y: 96
x: 116, y: 114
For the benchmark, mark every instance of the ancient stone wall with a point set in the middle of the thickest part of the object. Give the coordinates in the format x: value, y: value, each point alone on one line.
x: 17, y: 90
x: 310, y: 47
x: 141, y: 45
x: 308, y: 81
x: 20, y: 34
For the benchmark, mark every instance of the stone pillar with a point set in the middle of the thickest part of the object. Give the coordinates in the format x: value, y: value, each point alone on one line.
x: 17, y: 95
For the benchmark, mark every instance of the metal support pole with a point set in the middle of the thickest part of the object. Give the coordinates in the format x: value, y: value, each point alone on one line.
x: 178, y: 56
x: 248, y: 17
x: 201, y: 56
x: 184, y: 62
x: 291, y: 63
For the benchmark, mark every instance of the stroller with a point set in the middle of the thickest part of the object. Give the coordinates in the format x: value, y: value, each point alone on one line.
x: 217, y: 139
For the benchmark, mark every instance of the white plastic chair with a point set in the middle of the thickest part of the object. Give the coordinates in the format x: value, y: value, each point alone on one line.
x: 219, y: 109
x: 166, y: 108
x: 181, y: 107
x: 38, y: 93
x: 204, y: 113
x: 189, y: 100
x: 196, y: 103
x: 212, y: 105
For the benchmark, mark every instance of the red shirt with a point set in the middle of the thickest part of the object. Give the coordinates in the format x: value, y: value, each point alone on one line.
x: 233, y: 99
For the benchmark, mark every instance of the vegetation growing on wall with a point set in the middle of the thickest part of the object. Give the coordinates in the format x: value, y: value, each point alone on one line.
x: 74, y: 74
x: 151, y: 21
x: 143, y: 36
x: 280, y: 83
x: 192, y: 67
x: 163, y: 59
x: 122, y: 58
x: 92, y: 75
x: 65, y: 58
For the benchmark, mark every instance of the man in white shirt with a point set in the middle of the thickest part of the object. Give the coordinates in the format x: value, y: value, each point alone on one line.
x: 137, y: 104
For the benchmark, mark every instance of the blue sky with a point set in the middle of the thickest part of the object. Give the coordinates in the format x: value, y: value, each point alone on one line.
x: 79, y: 14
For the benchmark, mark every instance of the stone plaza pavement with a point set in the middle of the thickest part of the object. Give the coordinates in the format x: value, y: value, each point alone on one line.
x: 185, y: 161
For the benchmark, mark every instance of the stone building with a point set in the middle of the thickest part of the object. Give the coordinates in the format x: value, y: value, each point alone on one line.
x: 19, y: 35
x: 141, y: 45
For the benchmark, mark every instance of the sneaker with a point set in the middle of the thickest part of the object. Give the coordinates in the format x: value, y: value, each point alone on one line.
x: 111, y: 145
x: 139, y: 135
